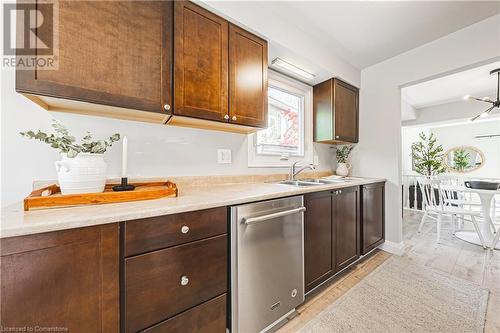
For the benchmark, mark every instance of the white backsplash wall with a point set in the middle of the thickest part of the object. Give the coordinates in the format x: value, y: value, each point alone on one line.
x: 154, y: 149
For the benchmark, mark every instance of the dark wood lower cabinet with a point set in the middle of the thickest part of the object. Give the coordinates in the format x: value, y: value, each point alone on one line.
x: 373, y: 216
x: 331, y: 233
x: 346, y: 226
x: 173, y: 273
x: 318, y: 254
x: 209, y: 317
x: 163, y: 283
x: 154, y: 233
x: 67, y: 279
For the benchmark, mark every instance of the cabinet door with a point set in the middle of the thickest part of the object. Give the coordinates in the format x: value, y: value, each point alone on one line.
x: 201, y: 65
x: 373, y: 217
x: 64, y: 279
x: 346, y: 111
x: 110, y: 52
x: 318, y: 253
x: 248, y: 78
x: 346, y: 226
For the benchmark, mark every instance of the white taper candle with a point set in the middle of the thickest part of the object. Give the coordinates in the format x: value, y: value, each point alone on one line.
x: 124, y: 157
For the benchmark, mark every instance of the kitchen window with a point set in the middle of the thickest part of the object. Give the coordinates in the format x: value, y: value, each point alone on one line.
x: 288, y: 137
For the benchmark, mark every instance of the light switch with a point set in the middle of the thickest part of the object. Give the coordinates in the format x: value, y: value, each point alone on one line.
x: 316, y: 160
x: 224, y: 156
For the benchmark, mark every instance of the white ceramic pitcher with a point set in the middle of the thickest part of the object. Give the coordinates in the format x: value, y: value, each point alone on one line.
x: 343, y: 169
x: 85, y: 173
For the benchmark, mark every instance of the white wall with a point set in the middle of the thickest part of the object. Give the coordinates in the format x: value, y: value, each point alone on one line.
x: 379, y: 151
x: 444, y: 113
x: 464, y: 135
x: 408, y: 112
x: 455, y: 135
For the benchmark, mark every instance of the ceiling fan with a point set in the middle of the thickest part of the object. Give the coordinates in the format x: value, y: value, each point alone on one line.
x: 495, y: 104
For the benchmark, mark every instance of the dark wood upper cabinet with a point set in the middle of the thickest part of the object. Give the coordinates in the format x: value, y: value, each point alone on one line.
x: 346, y: 228
x: 158, y: 61
x: 336, y: 112
x: 220, y: 72
x: 201, y: 63
x: 64, y: 279
x: 112, y: 53
x: 318, y: 254
x: 247, y: 78
x: 373, y: 216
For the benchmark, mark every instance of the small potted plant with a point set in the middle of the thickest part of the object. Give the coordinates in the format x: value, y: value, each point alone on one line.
x: 82, y: 168
x: 342, y: 154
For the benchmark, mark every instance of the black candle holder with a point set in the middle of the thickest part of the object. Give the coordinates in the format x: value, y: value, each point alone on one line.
x: 124, y: 186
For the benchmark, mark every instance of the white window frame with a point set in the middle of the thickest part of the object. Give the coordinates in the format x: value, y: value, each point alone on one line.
x: 276, y: 161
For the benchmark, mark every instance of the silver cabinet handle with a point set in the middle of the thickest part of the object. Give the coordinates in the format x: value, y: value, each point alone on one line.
x: 257, y: 219
x: 166, y: 107
x: 234, y: 118
x: 184, y: 280
x: 184, y: 229
x: 226, y: 117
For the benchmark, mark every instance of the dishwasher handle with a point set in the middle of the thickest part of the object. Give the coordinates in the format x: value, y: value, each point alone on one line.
x: 262, y: 218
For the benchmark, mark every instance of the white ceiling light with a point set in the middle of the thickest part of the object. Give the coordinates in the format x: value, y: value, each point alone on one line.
x: 494, y: 104
x: 291, y: 68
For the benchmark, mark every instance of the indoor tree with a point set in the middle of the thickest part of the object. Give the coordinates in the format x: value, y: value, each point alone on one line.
x: 461, y: 159
x: 428, y: 155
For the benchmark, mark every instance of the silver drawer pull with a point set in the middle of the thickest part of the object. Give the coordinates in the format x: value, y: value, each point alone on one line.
x: 257, y: 219
x: 184, y: 280
x: 184, y: 229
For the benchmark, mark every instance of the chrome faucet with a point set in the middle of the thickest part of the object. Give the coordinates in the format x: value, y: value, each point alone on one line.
x: 294, y: 172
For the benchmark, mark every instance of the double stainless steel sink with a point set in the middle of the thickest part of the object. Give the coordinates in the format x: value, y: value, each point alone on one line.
x: 313, y: 182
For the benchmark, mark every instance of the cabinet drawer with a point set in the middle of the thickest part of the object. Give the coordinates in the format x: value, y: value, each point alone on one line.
x: 209, y: 317
x: 154, y: 286
x: 155, y: 233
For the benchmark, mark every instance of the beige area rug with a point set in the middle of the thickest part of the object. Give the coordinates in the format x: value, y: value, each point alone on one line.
x: 400, y: 296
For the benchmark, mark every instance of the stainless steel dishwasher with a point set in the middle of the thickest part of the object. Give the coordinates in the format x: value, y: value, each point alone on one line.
x: 267, y: 263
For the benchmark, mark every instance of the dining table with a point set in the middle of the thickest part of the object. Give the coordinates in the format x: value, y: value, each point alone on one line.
x: 486, y: 199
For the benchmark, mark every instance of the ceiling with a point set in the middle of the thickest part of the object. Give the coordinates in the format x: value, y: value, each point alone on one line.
x: 367, y: 32
x: 476, y: 82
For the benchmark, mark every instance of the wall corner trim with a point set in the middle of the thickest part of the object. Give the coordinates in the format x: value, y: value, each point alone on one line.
x: 394, y: 248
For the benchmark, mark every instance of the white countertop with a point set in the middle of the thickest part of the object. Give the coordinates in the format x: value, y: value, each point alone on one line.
x: 16, y: 222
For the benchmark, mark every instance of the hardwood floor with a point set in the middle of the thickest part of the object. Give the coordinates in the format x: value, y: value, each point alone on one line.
x: 452, y: 256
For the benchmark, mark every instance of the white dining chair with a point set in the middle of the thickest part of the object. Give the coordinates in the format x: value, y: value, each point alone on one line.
x: 434, y: 203
x: 456, y: 198
x: 496, y: 221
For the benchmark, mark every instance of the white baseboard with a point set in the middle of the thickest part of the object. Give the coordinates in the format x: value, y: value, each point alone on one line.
x: 394, y: 248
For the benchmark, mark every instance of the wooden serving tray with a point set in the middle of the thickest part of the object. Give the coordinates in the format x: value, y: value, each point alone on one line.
x: 51, y: 197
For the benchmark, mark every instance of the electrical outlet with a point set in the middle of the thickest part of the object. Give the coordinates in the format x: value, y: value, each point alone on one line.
x: 224, y: 156
x: 316, y: 160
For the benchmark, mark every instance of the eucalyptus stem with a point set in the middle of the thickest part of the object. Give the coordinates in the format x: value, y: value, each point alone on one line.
x: 63, y: 141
